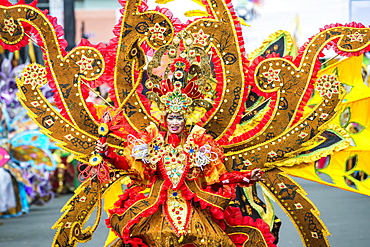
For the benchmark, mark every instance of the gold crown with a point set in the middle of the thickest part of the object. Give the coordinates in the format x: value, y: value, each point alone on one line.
x: 179, y: 77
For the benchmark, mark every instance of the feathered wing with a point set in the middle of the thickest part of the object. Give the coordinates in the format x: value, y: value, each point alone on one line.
x: 87, y: 198
x: 75, y: 125
x: 284, y: 137
x: 143, y: 31
x: 345, y: 169
x: 276, y: 79
x: 33, y: 147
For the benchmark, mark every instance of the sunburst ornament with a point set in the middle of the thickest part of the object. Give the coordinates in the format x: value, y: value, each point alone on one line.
x: 272, y: 75
x: 85, y: 63
x: 327, y: 85
x: 157, y: 31
x: 357, y: 37
x: 34, y: 74
x: 9, y: 26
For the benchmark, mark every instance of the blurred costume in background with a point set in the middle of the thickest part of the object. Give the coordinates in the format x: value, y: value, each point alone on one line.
x: 247, y: 9
x: 64, y: 179
x: 25, y: 152
x: 236, y: 112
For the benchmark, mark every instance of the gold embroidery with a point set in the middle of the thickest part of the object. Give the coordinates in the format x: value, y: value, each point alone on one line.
x: 155, y: 150
x: 191, y: 148
x: 174, y: 162
x: 178, y: 211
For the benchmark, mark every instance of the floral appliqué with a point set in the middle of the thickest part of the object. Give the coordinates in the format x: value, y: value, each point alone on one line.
x: 178, y: 211
x: 155, y: 150
x: 327, y: 85
x: 9, y: 26
x: 157, y: 31
x: 191, y: 148
x: 174, y: 163
x: 35, y: 75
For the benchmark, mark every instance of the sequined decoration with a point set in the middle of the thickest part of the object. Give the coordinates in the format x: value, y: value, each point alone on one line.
x: 178, y: 211
x: 174, y: 163
x: 155, y: 150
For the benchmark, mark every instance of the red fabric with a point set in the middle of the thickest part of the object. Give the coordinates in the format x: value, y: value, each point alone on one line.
x: 116, y: 160
x: 174, y: 139
x: 236, y: 177
x: 234, y: 217
x: 239, y: 239
x: 5, y: 3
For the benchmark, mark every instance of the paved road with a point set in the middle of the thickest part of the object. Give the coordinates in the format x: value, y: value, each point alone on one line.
x: 346, y: 214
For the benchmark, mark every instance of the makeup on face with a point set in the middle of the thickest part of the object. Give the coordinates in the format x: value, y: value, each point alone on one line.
x: 175, y: 123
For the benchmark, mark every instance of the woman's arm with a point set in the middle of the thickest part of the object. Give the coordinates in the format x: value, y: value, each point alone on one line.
x: 243, y: 178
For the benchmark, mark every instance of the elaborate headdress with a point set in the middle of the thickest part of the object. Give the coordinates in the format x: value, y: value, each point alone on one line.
x: 184, y: 85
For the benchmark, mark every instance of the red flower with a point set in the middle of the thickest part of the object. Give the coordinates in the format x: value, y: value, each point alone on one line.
x: 101, y: 171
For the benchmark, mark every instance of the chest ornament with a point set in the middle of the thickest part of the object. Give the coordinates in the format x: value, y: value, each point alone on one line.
x: 174, y: 165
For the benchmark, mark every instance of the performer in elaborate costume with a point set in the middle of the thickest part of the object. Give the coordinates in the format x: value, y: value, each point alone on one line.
x: 240, y: 113
x: 178, y: 169
x: 186, y: 178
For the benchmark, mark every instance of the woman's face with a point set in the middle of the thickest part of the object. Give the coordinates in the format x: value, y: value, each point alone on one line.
x: 175, y: 123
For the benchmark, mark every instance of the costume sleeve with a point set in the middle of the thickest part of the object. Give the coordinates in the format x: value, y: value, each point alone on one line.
x: 123, y: 159
x: 236, y: 177
x: 215, y: 169
x: 115, y: 159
